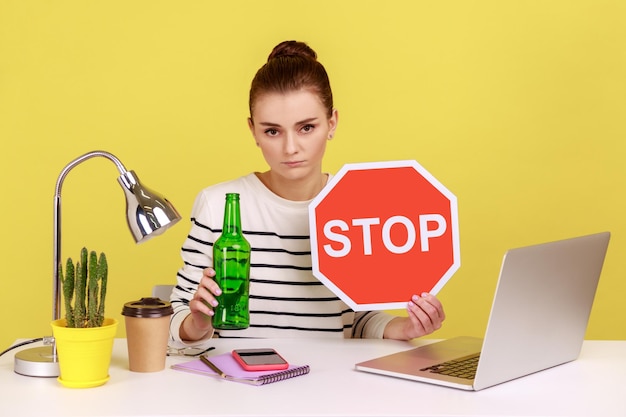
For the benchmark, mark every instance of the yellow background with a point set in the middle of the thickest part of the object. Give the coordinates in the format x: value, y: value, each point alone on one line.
x: 518, y: 107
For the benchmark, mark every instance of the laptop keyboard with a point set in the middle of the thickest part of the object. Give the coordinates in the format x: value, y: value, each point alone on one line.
x: 461, y: 368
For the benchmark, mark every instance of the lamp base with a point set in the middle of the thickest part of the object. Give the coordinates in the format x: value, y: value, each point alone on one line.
x: 39, y: 362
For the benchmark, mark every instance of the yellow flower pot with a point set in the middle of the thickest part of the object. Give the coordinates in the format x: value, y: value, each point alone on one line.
x: 84, y: 354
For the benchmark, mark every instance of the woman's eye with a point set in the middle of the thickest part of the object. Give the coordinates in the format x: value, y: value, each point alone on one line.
x: 308, y: 128
x: 271, y: 132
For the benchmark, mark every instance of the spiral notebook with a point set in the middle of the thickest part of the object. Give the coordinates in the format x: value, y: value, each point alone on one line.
x: 232, y: 371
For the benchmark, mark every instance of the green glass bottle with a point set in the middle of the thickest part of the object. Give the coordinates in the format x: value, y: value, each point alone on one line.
x: 231, y: 261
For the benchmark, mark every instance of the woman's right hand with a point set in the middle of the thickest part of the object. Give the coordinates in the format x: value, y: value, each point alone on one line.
x: 199, y: 323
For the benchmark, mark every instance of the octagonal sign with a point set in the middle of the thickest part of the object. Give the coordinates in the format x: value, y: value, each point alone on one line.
x: 383, y: 231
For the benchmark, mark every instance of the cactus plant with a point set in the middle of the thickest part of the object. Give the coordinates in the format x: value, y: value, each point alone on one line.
x: 84, y: 289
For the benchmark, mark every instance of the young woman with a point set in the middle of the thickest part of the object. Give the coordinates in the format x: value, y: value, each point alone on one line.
x: 291, y: 119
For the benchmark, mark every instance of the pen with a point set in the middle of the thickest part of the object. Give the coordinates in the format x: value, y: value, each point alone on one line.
x: 210, y: 364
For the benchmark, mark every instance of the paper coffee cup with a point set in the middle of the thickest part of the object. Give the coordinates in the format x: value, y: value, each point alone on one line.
x: 147, y: 330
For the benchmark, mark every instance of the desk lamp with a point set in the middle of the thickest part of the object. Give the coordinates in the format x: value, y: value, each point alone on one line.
x: 147, y: 213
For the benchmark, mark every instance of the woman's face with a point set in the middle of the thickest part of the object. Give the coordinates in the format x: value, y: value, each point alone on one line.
x: 292, y: 129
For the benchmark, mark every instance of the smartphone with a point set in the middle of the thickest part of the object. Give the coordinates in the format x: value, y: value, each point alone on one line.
x: 259, y: 359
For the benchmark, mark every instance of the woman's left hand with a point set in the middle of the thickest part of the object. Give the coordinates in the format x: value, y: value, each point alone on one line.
x: 425, y: 315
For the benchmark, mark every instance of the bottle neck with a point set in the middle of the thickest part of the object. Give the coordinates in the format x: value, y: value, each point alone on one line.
x: 232, y: 216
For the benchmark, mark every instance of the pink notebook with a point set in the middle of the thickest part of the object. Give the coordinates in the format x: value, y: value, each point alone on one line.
x: 234, y: 372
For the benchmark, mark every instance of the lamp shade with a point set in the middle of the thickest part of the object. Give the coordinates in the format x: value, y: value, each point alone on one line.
x: 148, y: 213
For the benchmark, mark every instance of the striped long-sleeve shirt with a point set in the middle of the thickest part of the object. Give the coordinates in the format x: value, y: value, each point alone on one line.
x: 286, y: 300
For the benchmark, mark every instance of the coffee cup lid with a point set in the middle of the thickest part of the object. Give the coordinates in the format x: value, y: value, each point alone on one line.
x: 149, y: 307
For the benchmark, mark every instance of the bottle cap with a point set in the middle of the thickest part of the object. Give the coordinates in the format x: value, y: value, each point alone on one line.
x: 148, y: 307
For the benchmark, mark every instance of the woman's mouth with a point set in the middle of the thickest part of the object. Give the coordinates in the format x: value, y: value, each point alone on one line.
x: 293, y: 164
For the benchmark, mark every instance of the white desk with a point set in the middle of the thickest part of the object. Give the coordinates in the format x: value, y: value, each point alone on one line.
x: 594, y: 385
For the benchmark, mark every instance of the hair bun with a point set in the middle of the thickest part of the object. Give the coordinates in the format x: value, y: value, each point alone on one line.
x: 292, y: 48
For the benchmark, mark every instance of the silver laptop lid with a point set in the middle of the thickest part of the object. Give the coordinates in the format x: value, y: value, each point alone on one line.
x: 560, y: 278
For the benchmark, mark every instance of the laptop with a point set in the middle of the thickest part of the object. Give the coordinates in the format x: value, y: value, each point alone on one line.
x: 538, y: 320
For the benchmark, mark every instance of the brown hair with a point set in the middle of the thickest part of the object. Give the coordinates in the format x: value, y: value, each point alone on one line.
x: 292, y: 66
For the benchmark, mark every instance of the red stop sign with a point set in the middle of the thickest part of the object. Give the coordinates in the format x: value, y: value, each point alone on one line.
x: 383, y: 231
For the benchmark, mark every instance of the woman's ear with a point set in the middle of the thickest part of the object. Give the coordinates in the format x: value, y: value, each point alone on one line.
x: 332, y: 123
x: 251, y: 127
